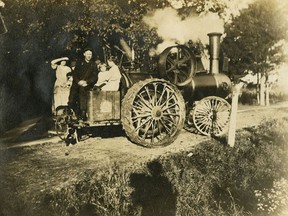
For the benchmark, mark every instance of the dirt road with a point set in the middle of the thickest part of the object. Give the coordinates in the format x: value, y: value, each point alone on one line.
x: 112, y: 145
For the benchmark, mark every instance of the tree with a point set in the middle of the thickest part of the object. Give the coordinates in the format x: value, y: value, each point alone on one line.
x: 251, y: 37
x: 41, y: 30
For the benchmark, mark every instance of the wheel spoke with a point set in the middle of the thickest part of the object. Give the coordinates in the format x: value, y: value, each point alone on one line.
x: 202, y: 108
x: 203, y: 119
x: 141, y: 116
x: 146, y: 129
x: 184, y: 59
x: 219, y: 126
x: 167, y: 100
x: 142, y: 124
x: 155, y: 94
x: 217, y: 105
x: 148, y: 93
x: 177, y: 55
x: 141, y: 107
x: 171, y: 69
x: 142, y: 102
x: 161, y: 96
x: 169, y: 120
x: 182, y: 75
x: 171, y: 61
x: 171, y: 114
x: 169, y: 107
x: 165, y: 126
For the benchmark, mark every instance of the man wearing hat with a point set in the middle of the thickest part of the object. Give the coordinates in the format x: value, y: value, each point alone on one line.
x: 85, y: 75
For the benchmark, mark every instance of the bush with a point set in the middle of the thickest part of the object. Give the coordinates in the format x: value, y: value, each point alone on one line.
x: 249, y: 95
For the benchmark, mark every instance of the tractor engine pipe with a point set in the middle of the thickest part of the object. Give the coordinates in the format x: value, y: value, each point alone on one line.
x: 214, y: 42
x: 126, y: 48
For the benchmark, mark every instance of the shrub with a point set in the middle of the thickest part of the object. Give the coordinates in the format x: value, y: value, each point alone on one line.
x: 248, y: 95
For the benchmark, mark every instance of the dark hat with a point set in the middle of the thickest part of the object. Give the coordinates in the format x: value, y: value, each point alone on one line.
x: 88, y: 49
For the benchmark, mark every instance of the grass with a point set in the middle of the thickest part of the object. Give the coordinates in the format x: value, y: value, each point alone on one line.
x: 211, y: 179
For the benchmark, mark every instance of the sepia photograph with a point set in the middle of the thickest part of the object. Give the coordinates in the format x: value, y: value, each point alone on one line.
x: 143, y: 107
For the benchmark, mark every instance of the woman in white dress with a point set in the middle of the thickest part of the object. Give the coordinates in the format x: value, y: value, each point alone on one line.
x: 61, y: 86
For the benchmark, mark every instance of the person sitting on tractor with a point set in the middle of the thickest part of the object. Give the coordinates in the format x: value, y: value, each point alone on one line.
x: 85, y: 75
x: 108, y: 80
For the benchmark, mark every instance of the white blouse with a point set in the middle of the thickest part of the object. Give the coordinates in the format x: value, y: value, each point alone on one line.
x: 111, y: 78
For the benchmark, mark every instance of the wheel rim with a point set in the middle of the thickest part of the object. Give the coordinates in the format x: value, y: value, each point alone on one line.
x: 156, y: 114
x: 177, y: 64
x: 211, y: 116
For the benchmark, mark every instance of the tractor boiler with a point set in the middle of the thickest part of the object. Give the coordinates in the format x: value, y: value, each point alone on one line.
x: 211, y: 83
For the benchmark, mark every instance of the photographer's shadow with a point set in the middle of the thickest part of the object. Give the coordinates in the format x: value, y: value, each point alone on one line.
x: 153, y: 192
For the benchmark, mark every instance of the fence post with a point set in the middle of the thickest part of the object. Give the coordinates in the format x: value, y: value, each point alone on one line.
x: 233, y: 114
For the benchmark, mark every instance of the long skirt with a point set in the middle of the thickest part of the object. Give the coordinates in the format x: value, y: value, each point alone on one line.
x: 61, y: 95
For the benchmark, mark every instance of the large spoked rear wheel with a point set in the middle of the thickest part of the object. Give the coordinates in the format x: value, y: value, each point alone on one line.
x: 211, y: 116
x: 153, y: 113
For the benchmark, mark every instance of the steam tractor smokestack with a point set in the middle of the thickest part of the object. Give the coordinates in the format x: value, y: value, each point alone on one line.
x: 214, y: 42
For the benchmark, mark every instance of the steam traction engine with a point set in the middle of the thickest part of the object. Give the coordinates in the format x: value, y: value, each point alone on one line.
x: 153, y: 107
x: 203, y: 91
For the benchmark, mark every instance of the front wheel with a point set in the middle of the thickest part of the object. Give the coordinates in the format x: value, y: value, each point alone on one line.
x: 153, y: 113
x: 211, y: 116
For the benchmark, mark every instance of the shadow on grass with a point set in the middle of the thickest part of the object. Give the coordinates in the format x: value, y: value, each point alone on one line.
x: 153, y: 192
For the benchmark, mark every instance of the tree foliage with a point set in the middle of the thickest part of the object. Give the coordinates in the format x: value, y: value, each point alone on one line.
x: 251, y: 38
x: 51, y: 26
x: 39, y: 31
x: 48, y: 27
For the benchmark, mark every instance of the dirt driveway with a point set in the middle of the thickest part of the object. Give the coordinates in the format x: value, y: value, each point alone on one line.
x: 30, y: 168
